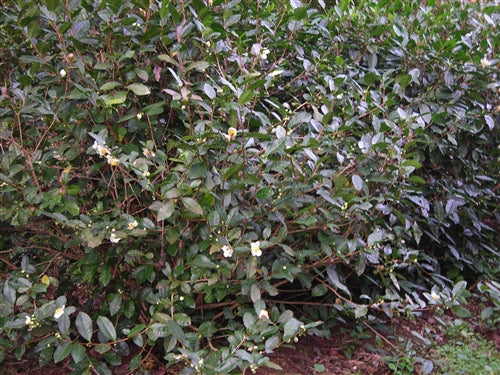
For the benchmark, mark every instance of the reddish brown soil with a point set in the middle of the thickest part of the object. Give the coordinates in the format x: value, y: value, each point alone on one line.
x: 313, y: 355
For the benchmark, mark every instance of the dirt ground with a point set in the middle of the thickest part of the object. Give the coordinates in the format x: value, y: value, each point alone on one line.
x: 313, y: 355
x: 352, y: 349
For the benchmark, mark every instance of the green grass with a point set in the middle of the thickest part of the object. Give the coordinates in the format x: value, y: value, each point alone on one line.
x: 466, y: 353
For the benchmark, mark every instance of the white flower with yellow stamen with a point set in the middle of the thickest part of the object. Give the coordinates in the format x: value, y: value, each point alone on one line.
x: 148, y: 153
x: 255, y: 249
x: 101, y: 150
x: 59, y: 312
x: 113, y: 161
x: 231, y: 134
x: 434, y: 295
x: 263, y: 314
x: 485, y: 62
x: 133, y: 224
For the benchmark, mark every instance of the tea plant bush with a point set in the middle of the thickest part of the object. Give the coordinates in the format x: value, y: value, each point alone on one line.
x: 199, y: 182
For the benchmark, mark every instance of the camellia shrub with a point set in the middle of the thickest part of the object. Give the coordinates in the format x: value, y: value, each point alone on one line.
x: 197, y: 182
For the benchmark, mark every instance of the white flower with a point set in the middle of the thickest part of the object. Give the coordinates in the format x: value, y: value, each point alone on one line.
x: 227, y: 250
x: 139, y: 116
x: 485, y: 62
x: 148, y: 153
x: 113, y: 238
x: 101, y: 149
x: 112, y: 161
x: 256, y: 251
x: 62, y: 73
x: 263, y: 53
x: 133, y: 224
x: 231, y: 134
x: 257, y: 50
x: 434, y: 296
x: 263, y: 314
x: 28, y: 320
x: 59, y: 311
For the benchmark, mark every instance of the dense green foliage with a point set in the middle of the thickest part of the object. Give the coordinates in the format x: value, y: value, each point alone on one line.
x: 202, y: 181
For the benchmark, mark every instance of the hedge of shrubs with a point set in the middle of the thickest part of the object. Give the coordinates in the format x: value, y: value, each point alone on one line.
x: 199, y: 182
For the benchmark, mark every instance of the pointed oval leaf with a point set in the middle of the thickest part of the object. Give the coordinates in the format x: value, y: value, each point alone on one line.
x: 62, y: 351
x: 78, y: 352
x: 248, y: 320
x: 245, y: 97
x: 357, y: 182
x: 271, y: 343
x: 115, y: 303
x: 106, y: 327
x: 84, y: 326
x: 118, y: 98
x: 192, y: 206
x: 290, y: 328
x: 166, y: 210
x: 63, y: 324
x: 139, y: 89
x: 110, y: 86
x: 458, y: 289
x: 209, y: 91
x: 254, y: 293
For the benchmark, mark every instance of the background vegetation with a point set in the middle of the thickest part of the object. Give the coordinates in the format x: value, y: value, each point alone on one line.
x: 202, y: 181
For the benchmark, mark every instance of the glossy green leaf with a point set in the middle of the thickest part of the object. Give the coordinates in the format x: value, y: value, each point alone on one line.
x: 62, y: 351
x: 192, y: 205
x: 290, y: 329
x: 78, y: 353
x: 139, y: 89
x: 209, y: 91
x: 245, y: 97
x: 84, y: 325
x: 106, y: 327
x: 110, y: 86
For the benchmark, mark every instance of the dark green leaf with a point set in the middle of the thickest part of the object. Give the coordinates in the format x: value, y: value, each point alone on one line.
x: 62, y: 351
x: 264, y: 193
x: 110, y: 86
x: 84, y: 325
x: 139, y: 89
x: 78, y: 352
x: 115, y: 303
x: 290, y: 329
x: 209, y: 91
x: 192, y: 206
x: 245, y: 97
x: 106, y: 328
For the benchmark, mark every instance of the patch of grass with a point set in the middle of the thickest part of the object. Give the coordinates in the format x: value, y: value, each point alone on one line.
x: 466, y: 353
